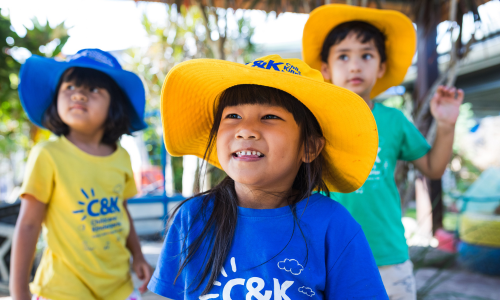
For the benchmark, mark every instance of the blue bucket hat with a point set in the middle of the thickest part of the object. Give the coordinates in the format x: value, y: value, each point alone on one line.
x: 39, y: 77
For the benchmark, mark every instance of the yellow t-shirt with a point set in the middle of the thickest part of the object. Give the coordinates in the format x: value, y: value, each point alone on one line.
x: 85, y: 226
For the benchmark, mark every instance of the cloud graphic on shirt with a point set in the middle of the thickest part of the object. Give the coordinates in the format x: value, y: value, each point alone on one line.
x: 306, y: 290
x: 291, y: 265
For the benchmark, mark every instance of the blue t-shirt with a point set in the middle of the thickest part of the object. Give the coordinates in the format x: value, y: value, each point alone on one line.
x: 269, y: 258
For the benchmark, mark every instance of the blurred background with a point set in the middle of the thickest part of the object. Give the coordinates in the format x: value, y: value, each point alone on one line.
x: 452, y: 224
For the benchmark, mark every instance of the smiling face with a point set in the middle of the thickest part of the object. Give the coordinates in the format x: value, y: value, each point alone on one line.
x: 81, y: 107
x: 259, y: 146
x: 354, y: 65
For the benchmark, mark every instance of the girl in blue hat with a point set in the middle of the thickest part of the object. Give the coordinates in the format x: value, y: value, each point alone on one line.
x: 76, y: 186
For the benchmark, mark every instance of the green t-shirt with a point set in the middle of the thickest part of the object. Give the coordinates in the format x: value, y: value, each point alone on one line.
x: 376, y: 205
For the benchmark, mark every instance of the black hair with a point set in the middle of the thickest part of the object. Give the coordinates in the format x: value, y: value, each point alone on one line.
x: 117, y: 122
x: 365, y: 32
x: 220, y: 223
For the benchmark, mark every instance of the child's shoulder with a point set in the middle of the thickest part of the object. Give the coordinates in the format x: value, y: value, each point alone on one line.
x: 389, y: 110
x: 325, y: 210
x: 389, y: 113
x: 191, y: 208
x: 47, y: 147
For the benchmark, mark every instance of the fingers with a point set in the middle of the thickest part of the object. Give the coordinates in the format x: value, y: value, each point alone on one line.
x: 144, y: 287
x: 450, y: 93
x: 146, y: 272
x: 140, y: 272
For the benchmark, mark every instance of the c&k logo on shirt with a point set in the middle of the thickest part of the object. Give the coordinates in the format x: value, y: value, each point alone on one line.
x: 256, y: 287
x: 97, y: 207
x: 104, y: 212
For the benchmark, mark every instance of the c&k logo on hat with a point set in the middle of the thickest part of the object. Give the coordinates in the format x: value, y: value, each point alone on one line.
x: 276, y: 66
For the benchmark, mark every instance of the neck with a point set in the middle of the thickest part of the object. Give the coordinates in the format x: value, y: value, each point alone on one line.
x: 251, y: 197
x: 367, y: 100
x: 90, y: 142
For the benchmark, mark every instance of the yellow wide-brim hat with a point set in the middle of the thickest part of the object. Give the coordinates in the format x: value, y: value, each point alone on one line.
x: 191, y: 89
x: 398, y: 29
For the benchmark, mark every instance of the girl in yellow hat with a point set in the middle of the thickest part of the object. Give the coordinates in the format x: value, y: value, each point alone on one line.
x: 368, y: 51
x: 280, y: 133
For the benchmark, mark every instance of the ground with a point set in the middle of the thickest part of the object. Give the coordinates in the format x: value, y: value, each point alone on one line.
x: 433, y: 281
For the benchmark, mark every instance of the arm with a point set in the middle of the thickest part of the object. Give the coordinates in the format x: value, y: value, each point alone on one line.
x: 139, y: 264
x: 24, y: 242
x: 445, y: 107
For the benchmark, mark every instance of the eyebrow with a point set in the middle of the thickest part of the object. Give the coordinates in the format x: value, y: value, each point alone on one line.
x: 369, y: 48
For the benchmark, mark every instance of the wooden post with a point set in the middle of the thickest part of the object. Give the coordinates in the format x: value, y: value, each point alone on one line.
x: 427, y: 73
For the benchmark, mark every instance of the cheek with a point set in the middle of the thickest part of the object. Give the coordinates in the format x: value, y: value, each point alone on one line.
x: 99, y: 109
x: 373, y: 69
x: 339, y: 74
x: 222, y: 146
x: 284, y: 145
x: 62, y: 104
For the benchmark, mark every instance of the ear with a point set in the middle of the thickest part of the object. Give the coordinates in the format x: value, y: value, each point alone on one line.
x: 316, y: 145
x: 325, y: 71
x: 381, y: 70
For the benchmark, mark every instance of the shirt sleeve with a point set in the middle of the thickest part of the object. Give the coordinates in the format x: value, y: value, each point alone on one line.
x: 162, y: 281
x: 39, y: 175
x: 355, y: 275
x: 413, y: 143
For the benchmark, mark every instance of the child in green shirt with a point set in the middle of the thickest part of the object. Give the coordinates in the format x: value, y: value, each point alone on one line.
x: 367, y: 51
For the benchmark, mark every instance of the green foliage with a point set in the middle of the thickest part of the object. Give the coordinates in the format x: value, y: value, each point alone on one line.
x: 15, y: 128
x: 184, y: 35
x: 44, y: 40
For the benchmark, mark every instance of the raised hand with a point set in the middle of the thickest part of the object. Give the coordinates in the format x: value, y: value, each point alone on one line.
x: 445, y: 105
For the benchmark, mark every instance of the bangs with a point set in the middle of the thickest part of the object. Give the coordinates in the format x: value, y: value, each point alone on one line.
x: 262, y: 95
x: 88, y: 77
x: 365, y: 32
x: 118, y: 120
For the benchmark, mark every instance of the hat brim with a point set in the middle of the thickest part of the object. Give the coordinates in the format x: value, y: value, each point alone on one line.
x: 398, y: 29
x: 39, y: 77
x: 187, y: 106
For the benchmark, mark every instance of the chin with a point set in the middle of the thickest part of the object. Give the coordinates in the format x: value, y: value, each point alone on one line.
x: 357, y: 89
x: 246, y: 178
x: 80, y: 125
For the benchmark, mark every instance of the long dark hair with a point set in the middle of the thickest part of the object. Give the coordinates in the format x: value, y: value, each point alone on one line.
x: 221, y: 224
x: 117, y: 122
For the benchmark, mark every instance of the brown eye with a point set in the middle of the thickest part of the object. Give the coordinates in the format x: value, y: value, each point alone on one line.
x: 367, y: 56
x: 233, y: 116
x: 271, y: 117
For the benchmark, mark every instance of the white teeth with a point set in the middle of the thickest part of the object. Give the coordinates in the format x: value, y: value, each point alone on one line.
x: 241, y: 153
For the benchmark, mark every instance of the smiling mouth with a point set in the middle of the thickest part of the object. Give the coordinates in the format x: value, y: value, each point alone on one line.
x: 248, y: 154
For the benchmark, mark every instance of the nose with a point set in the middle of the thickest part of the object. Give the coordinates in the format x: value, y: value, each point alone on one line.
x: 79, y: 95
x: 355, y: 65
x: 247, y: 131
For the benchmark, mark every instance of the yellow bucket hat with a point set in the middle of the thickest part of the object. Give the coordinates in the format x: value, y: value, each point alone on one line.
x: 192, y: 87
x: 398, y: 29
